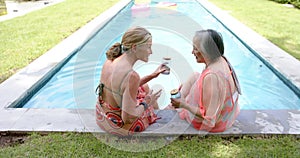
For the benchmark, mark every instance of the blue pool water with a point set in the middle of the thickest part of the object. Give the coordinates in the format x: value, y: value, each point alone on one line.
x: 73, y: 86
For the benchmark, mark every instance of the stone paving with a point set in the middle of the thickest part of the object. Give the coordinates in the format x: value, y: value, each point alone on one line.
x: 15, y: 9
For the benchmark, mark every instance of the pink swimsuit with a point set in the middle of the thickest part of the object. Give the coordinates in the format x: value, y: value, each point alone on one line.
x: 225, y: 115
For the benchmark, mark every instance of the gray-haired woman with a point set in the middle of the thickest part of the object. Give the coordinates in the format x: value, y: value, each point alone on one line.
x: 210, y: 100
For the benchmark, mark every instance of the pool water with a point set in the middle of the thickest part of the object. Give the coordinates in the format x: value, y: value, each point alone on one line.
x: 73, y: 86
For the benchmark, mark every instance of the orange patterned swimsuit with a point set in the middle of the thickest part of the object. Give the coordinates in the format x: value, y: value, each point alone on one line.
x: 109, y: 118
x: 225, y: 115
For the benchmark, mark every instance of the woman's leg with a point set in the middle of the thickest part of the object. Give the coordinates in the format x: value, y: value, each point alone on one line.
x: 186, y: 87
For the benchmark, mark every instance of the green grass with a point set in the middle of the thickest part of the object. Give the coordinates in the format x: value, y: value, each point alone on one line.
x: 86, y: 145
x: 25, y: 38
x: 277, y: 23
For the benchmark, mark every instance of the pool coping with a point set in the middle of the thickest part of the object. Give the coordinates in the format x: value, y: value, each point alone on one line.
x: 25, y: 7
x: 83, y: 120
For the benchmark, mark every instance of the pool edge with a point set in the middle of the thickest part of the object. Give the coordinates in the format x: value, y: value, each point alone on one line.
x: 249, y: 122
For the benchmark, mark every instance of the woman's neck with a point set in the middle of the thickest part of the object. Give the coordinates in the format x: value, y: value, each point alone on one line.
x: 210, y: 63
x: 130, y: 58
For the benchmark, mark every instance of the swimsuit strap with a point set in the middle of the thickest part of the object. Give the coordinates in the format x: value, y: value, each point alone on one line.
x: 232, y: 95
x: 101, y: 86
x: 120, y: 87
x: 99, y: 89
x: 121, y: 95
x: 200, y: 86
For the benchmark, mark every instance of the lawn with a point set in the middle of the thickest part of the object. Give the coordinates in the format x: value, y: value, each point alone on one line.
x: 276, y: 22
x: 86, y: 145
x: 23, y: 39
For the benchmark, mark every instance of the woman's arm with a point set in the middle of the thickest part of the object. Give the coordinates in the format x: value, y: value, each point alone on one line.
x: 147, y: 78
x: 213, y: 94
x: 130, y: 110
x: 181, y: 103
x: 212, y: 97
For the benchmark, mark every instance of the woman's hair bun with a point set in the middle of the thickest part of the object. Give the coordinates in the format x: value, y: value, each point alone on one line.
x: 114, y: 51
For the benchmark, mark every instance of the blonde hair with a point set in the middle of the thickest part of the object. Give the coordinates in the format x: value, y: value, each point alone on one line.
x: 114, y: 51
x: 134, y: 35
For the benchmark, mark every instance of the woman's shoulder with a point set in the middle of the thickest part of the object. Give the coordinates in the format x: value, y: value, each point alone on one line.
x: 107, y: 65
x: 212, y: 76
x: 131, y: 75
x: 124, y: 73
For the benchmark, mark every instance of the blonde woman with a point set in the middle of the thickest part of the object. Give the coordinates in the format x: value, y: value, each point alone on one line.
x: 125, y: 104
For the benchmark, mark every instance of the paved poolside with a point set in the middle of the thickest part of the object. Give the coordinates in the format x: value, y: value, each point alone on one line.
x: 15, y: 9
x: 250, y: 122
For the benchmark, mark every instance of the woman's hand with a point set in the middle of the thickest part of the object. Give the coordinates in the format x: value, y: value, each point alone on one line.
x: 161, y: 68
x: 151, y: 98
x: 178, y: 103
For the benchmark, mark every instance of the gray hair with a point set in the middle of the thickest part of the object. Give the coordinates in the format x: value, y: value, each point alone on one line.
x: 210, y: 44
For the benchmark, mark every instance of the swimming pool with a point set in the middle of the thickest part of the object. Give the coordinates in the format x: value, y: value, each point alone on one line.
x: 74, y: 84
